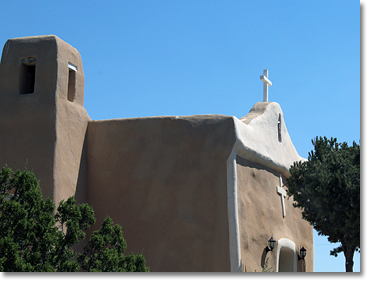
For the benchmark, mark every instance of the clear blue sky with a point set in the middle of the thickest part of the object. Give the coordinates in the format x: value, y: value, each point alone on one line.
x: 151, y: 58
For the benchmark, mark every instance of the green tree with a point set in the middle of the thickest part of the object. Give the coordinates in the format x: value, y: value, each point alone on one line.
x: 105, y: 251
x: 33, y: 237
x: 326, y: 188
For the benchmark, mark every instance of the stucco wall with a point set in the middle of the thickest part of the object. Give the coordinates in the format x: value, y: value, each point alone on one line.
x: 43, y: 128
x: 71, y: 123
x: 164, y: 180
x: 27, y: 121
x: 260, y: 217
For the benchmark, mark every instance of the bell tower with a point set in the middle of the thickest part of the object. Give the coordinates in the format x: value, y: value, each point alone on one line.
x: 42, y: 118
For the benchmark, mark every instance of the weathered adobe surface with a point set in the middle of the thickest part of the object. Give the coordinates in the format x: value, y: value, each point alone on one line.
x: 163, y: 179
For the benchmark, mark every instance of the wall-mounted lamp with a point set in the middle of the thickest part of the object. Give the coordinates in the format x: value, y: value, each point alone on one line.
x: 271, y: 246
x: 303, y: 253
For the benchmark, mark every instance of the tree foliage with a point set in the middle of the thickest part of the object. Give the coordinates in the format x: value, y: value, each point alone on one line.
x: 105, y: 251
x: 326, y: 188
x: 33, y: 237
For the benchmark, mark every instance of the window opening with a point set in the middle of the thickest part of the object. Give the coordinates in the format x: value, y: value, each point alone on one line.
x: 72, y: 69
x: 27, y: 76
x: 279, y: 128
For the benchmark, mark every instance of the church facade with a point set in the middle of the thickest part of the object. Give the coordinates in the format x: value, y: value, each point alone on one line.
x: 199, y: 193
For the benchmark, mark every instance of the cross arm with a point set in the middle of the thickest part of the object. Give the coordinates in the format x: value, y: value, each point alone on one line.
x: 281, y: 191
x: 266, y: 80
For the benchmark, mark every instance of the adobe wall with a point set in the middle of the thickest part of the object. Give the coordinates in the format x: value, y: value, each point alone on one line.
x: 71, y: 124
x: 257, y: 191
x: 163, y: 180
x: 27, y: 121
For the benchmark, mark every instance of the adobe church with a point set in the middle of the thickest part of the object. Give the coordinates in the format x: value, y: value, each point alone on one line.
x: 200, y: 193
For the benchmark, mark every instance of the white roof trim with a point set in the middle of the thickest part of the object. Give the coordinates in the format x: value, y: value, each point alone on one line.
x: 258, y: 141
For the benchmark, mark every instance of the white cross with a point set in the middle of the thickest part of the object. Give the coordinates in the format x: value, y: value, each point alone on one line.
x: 266, y: 84
x: 281, y: 191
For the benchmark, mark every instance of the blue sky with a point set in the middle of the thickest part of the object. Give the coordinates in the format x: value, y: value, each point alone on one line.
x: 153, y: 58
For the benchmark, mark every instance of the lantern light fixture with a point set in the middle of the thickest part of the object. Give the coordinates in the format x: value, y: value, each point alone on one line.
x: 271, y: 245
x: 303, y: 253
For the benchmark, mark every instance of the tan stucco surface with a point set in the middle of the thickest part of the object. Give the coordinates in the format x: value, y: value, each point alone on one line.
x: 163, y: 179
x: 43, y: 128
x: 27, y: 123
x: 257, y: 191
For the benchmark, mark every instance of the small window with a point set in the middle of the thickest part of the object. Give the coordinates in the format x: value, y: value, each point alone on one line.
x: 72, y: 69
x: 279, y: 128
x: 27, y: 76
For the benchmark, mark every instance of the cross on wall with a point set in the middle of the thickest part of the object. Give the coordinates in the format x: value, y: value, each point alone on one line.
x: 281, y: 191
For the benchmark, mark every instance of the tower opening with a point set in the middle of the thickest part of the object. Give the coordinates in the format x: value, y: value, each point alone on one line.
x: 72, y: 69
x: 27, y: 76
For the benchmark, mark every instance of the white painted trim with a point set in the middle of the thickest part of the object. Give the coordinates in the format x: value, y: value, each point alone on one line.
x: 72, y: 67
x: 232, y: 206
x: 245, y: 135
x: 287, y: 243
x: 258, y: 141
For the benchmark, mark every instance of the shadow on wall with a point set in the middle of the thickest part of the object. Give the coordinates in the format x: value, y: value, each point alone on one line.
x: 81, y: 188
x: 301, y: 267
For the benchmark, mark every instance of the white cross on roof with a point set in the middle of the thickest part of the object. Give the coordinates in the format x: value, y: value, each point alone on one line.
x: 266, y: 84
